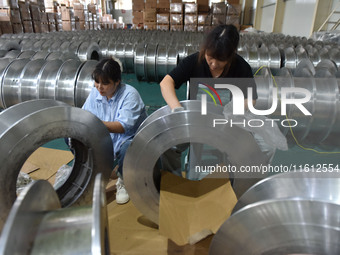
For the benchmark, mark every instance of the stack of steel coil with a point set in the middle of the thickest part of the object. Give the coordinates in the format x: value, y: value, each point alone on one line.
x: 37, y: 224
x: 24, y: 79
x: 289, y: 213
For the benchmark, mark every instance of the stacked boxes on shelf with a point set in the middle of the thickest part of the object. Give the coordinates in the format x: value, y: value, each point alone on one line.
x: 16, y: 21
x: 39, y: 19
x: 67, y: 17
x: 150, y: 17
x: 51, y: 20
x: 93, y: 17
x: 137, y: 13
x: 234, y: 15
x: 176, y: 15
x: 26, y: 19
x: 163, y: 15
x: 219, y: 11
x: 79, y: 16
x: 5, y: 20
x: 203, y: 6
x: 204, y: 16
x: 190, y: 17
x: 107, y: 21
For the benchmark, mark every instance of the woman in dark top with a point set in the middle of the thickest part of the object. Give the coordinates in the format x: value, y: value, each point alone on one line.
x: 216, y: 59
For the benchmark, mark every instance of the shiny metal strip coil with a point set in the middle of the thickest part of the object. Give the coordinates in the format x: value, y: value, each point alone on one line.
x: 84, y: 82
x: 66, y: 81
x: 37, y: 225
x: 280, y: 227
x: 11, y: 82
x: 321, y: 186
x: 161, y: 134
x: 26, y: 126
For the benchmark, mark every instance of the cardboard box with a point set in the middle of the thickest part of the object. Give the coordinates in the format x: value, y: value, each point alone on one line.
x: 190, y: 28
x: 36, y: 26
x: 43, y: 17
x: 137, y: 17
x: 204, y: 19
x: 176, y: 8
x: 218, y: 19
x: 6, y: 27
x: 67, y: 25
x: 92, y: 8
x: 44, y: 28
x: 78, y: 6
x: 67, y: 13
x: 234, y: 9
x: 80, y: 14
x: 190, y: 8
x: 139, y: 6
x: 234, y: 1
x: 17, y: 28
x: 5, y: 15
x: 150, y: 4
x: 149, y: 15
x: 191, y: 210
x: 163, y: 18
x: 219, y: 8
x: 204, y: 28
x: 174, y: 27
x: 163, y: 4
x: 150, y: 25
x: 52, y: 27
x: 82, y: 25
x: 24, y: 11
x: 203, y: 9
x: 28, y: 26
x: 163, y: 27
x: 190, y: 19
x: 176, y: 19
x: 51, y: 17
x: 35, y: 11
x: 202, y: 6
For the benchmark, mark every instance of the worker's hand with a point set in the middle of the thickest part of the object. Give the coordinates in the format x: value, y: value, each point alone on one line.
x: 177, y: 109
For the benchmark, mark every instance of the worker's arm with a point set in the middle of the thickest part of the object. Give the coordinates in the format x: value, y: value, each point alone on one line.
x: 114, y: 126
x: 168, y: 92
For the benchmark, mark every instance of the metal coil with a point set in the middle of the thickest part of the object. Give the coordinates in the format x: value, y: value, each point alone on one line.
x: 3, y: 67
x: 129, y: 57
x: 48, y: 79
x: 139, y: 60
x: 162, y: 133
x: 292, y: 185
x: 26, y: 126
x: 29, y: 83
x: 66, y: 81
x: 320, y: 129
x: 88, y: 51
x: 280, y: 227
x: 150, y: 62
x: 37, y: 225
x: 84, y: 82
x: 11, y: 82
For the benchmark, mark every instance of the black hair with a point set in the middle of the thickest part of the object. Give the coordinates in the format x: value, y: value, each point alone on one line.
x: 221, y: 43
x: 107, y: 70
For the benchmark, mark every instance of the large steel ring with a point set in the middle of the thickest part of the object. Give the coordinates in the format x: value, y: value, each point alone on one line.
x: 172, y: 129
x: 314, y: 186
x: 37, y: 225
x: 280, y: 227
x: 26, y: 126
